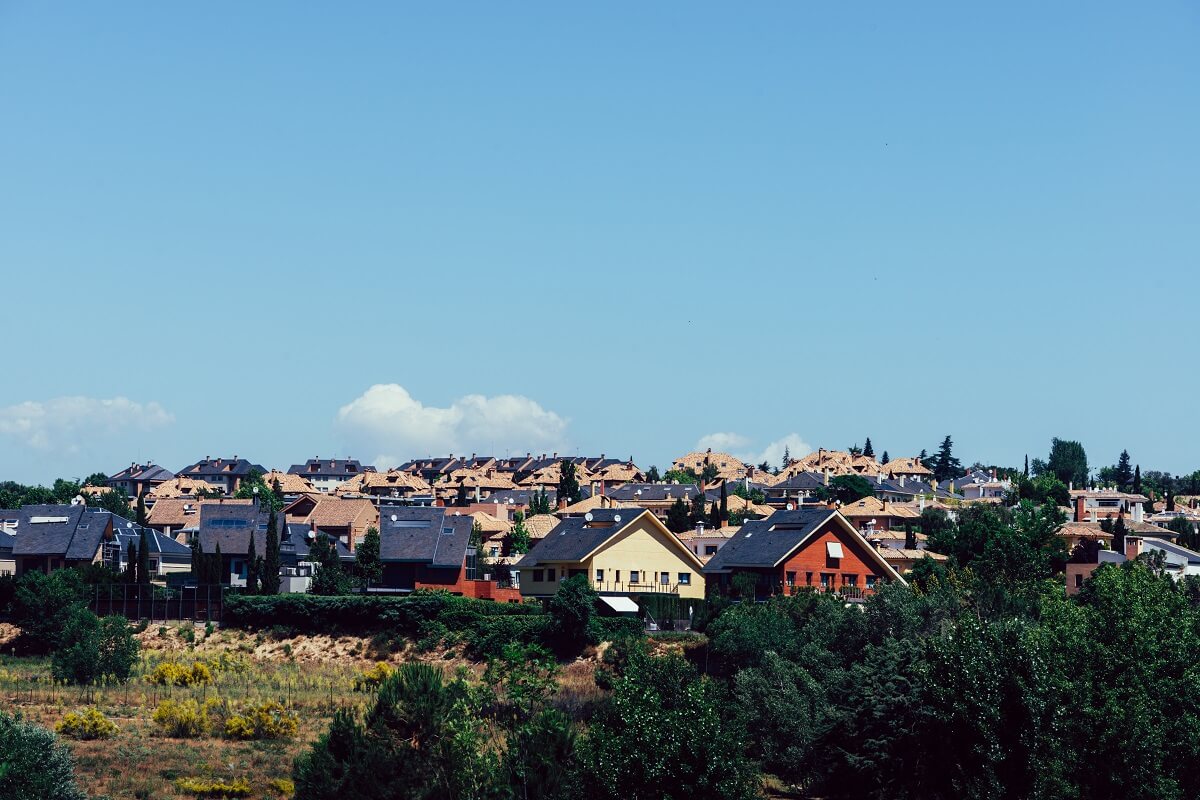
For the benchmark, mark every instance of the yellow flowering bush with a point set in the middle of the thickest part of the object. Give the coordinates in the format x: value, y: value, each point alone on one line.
x: 184, y: 719
x: 86, y: 724
x: 268, y: 720
x: 203, y: 787
x: 371, y: 678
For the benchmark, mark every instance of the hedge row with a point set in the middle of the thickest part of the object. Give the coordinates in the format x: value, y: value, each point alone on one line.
x: 308, y: 613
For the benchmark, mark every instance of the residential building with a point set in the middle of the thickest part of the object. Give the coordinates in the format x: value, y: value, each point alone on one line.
x: 326, y: 474
x: 138, y: 479
x: 727, y: 467
x: 226, y: 474
x: 621, y: 551
x: 394, y: 484
x: 230, y: 525
x: 174, y: 515
x: 164, y: 555
x: 344, y: 519
x: 288, y: 485
x: 8, y: 565
x: 655, y: 497
x: 805, y: 549
x: 1177, y: 561
x: 183, y: 487
x: 428, y: 548
x: 51, y: 537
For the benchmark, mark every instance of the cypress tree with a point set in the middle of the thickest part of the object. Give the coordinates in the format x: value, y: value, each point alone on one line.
x: 1027, y: 465
x: 270, y: 567
x: 714, y: 516
x: 1137, y: 479
x: 1118, y: 533
x: 142, y: 516
x: 724, y: 501
x: 143, y: 559
x: 910, y: 538
x: 252, y: 564
x: 199, y: 563
x: 216, y: 567
x: 130, y: 563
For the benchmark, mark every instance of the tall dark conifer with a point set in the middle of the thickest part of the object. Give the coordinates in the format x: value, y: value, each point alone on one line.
x: 143, y: 558
x: 270, y: 568
x: 868, y: 449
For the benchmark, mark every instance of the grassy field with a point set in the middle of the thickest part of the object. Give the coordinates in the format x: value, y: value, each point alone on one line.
x: 311, y: 676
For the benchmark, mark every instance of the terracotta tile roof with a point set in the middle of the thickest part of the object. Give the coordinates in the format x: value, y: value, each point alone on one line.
x: 490, y: 525
x: 182, y: 512
x: 591, y: 504
x: 728, y: 467
x: 183, y: 487
x: 623, y: 471
x: 549, y: 476
x: 540, y: 524
x: 1084, y: 530
x: 906, y: 466
x: 338, y: 512
x: 874, y: 507
x: 838, y: 462
x: 95, y: 490
x: 288, y: 483
x: 404, y: 482
x: 904, y: 554
x: 741, y: 504
x: 476, y: 478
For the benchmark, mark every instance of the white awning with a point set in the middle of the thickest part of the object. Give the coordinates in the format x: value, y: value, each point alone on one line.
x: 834, y: 549
x: 622, y: 605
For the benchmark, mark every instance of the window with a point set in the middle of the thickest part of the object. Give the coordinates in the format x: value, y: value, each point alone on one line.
x: 791, y: 579
x: 618, y: 578
x: 538, y: 575
x: 710, y: 549
x: 808, y: 579
x: 664, y: 578
x: 825, y: 580
x: 685, y: 579
x: 634, y: 576
x: 599, y: 576
x: 494, y: 550
x: 1078, y: 580
x: 870, y: 581
x: 850, y: 580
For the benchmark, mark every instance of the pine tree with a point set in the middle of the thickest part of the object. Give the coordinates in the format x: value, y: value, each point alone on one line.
x: 143, y: 559
x: 252, y: 565
x: 652, y: 475
x: 787, y: 457
x: 1119, y: 532
x: 1137, y: 479
x: 1123, y: 474
x: 270, y: 566
x: 698, y: 514
x: 724, y: 502
x: 945, y: 465
x: 868, y: 450
x: 923, y: 458
x: 677, y: 516
x: 1027, y: 465
x: 885, y: 458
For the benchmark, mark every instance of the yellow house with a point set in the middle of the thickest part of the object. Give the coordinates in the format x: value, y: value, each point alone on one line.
x: 623, y: 551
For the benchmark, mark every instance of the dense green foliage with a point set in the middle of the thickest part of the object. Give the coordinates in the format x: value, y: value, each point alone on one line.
x: 33, y: 764
x: 367, y: 566
x: 43, y: 604
x: 91, y: 649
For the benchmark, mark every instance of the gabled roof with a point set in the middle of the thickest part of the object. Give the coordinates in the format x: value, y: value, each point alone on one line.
x: 329, y: 468
x: 577, y: 538
x: 182, y: 512
x: 906, y: 466
x: 141, y: 472
x: 183, y: 487
x: 768, y: 542
x: 288, y: 483
x: 374, y: 482
x: 220, y: 467
x: 549, y: 475
x: 727, y: 466
x: 654, y: 492
x: 339, y: 512
x: 425, y: 534
x: 591, y: 504
x: 230, y: 525
x: 157, y: 543
x: 66, y: 531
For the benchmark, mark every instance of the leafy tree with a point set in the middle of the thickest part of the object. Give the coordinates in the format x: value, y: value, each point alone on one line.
x: 270, y: 567
x: 652, y: 475
x: 91, y: 648
x: 755, y: 496
x: 253, y: 487
x: 698, y: 513
x: 1045, y: 488
x: 1186, y: 531
x: 709, y: 474
x: 682, y: 476
x: 33, y: 764
x: 116, y: 502
x: 678, y: 517
x: 328, y: 576
x: 787, y: 709
x: 568, y: 483
x: 1068, y: 461
x: 571, y: 611
x: 848, y: 489
x: 143, y: 559
x: 42, y: 605
x: 868, y: 450
x: 518, y: 537
x: 664, y: 734
x: 366, y: 557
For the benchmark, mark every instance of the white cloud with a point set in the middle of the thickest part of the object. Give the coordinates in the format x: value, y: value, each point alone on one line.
x: 722, y: 442
x: 739, y: 445
x: 391, y: 423
x: 773, y: 453
x: 67, y: 423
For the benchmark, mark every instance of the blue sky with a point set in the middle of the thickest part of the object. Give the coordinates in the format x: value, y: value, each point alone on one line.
x: 617, y: 229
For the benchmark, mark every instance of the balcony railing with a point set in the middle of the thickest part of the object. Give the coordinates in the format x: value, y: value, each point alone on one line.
x: 641, y: 587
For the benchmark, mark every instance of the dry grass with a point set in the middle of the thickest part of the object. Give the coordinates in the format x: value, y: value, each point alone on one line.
x: 310, y: 675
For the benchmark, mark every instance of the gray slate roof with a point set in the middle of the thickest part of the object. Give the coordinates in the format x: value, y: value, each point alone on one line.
x: 221, y: 468
x: 762, y: 543
x: 76, y: 537
x: 575, y: 537
x: 142, y: 472
x: 329, y: 468
x: 230, y: 526
x: 654, y: 492
x: 425, y: 534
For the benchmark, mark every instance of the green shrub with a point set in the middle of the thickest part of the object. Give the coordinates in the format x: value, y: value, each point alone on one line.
x: 43, y: 604
x: 268, y: 720
x: 33, y: 764
x: 86, y: 724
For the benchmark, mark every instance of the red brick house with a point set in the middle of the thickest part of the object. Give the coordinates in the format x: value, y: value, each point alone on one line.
x: 813, y: 549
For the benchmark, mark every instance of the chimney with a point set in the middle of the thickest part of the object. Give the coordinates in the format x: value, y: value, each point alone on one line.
x: 477, y: 497
x: 878, y: 478
x: 993, y: 473
x: 831, y: 504
x: 1080, y: 505
x: 562, y: 503
x: 1133, y: 547
x: 827, y: 476
x: 921, y: 503
x: 901, y: 481
x: 1137, y: 513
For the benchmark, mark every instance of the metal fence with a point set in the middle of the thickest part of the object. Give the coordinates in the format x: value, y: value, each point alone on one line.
x: 156, y: 604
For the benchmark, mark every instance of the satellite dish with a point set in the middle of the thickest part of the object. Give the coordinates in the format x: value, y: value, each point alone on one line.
x: 394, y: 518
x: 588, y: 516
x: 791, y: 506
x: 616, y: 517
x: 128, y: 524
